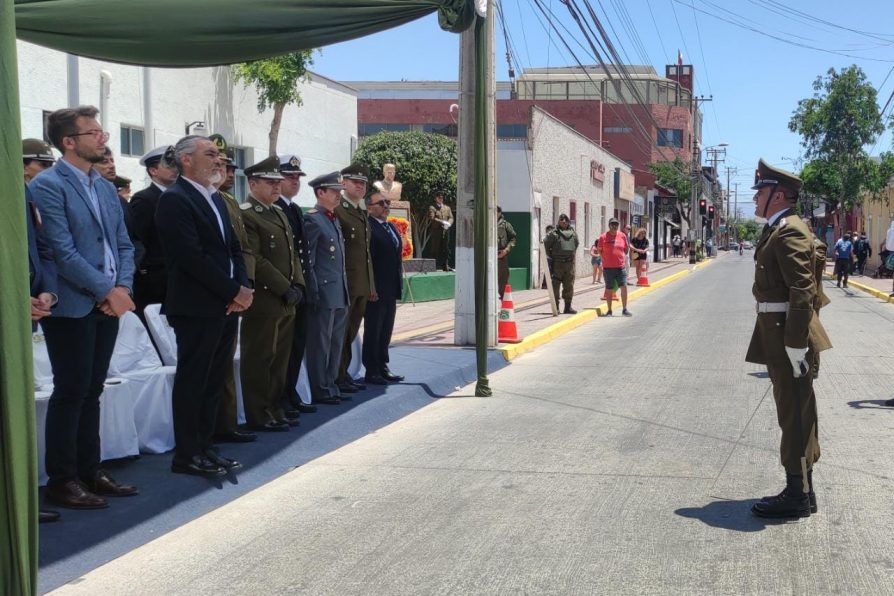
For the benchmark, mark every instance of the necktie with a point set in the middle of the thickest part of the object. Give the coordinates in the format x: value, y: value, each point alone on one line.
x: 391, y: 233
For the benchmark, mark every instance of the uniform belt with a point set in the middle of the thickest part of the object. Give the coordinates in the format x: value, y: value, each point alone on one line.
x: 764, y: 307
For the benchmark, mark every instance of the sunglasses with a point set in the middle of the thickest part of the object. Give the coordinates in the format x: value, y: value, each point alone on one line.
x: 382, y: 203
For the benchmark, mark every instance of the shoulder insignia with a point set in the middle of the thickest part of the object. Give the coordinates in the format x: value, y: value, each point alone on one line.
x: 345, y: 204
x: 245, y: 206
x: 259, y: 209
x: 311, y: 211
x: 783, y: 223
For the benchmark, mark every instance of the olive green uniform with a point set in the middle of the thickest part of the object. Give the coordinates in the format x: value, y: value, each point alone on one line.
x: 506, y: 238
x: 438, y: 236
x: 358, y: 269
x: 268, y: 326
x: 786, y: 271
x: 561, y: 247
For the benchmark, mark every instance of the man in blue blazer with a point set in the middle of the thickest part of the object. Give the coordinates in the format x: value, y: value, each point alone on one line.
x: 207, y: 284
x: 385, y: 248
x: 83, y: 224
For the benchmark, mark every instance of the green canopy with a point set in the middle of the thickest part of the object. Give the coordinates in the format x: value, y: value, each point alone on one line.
x: 171, y: 33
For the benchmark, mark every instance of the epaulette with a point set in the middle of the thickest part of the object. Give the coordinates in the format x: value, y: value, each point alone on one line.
x: 782, y: 223
x: 245, y: 206
x: 310, y: 211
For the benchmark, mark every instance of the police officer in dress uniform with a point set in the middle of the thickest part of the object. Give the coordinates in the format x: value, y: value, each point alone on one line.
x: 561, y: 246
x: 327, y: 290
x: 440, y: 218
x: 506, y: 238
x: 788, y: 335
x: 268, y: 326
x: 351, y: 213
x: 290, y: 169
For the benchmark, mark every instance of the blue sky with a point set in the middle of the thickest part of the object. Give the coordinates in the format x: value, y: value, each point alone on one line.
x: 755, y: 79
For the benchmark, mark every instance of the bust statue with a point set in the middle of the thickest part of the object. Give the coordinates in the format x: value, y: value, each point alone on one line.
x: 388, y: 186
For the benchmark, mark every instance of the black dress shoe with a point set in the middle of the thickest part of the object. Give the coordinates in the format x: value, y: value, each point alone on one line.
x: 290, y: 422
x: 235, y: 436
x: 197, y: 465
x: 390, y: 376
x: 329, y: 401
x: 46, y: 516
x: 105, y: 485
x: 291, y: 414
x: 375, y: 380
x: 224, y: 462
x: 347, y: 387
x: 269, y: 427
x: 357, y: 383
x: 73, y: 495
x: 306, y: 408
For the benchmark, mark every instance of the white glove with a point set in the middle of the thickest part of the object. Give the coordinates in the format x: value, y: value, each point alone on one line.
x: 798, y: 358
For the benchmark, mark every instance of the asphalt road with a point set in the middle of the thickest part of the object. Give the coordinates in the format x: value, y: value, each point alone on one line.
x: 620, y: 459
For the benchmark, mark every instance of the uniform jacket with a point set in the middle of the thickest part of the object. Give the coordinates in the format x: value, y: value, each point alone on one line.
x: 358, y: 266
x: 327, y: 284
x: 785, y: 271
x: 275, y: 262
x: 197, y: 257
x: 142, y: 210
x: 41, y: 267
x: 139, y: 249
x: 561, y: 243
x: 386, y: 260
x: 506, y: 236
x: 296, y: 220
x: 444, y: 213
x: 235, y: 214
x: 75, y: 236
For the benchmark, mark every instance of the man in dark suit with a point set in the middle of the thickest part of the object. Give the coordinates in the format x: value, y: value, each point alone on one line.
x: 290, y: 169
x: 151, y: 278
x: 84, y: 227
x: 207, y: 283
x: 385, y: 249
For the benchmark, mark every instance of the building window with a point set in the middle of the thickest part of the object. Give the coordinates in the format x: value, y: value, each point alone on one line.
x: 132, y: 140
x: 618, y: 130
x: 512, y: 131
x: 240, y: 188
x: 46, y: 115
x: 448, y: 130
x: 602, y: 220
x: 556, y: 210
x: 670, y: 137
x: 572, y: 212
x: 364, y: 130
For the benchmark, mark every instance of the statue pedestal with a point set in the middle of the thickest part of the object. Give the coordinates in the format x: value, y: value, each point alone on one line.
x: 419, y: 265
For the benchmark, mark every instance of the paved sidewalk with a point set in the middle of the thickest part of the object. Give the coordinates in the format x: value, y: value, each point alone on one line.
x: 880, y: 288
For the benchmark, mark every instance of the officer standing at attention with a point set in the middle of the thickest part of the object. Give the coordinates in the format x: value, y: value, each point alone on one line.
x: 506, y: 238
x: 351, y: 213
x: 327, y: 290
x: 268, y: 326
x: 561, y: 246
x: 788, y: 335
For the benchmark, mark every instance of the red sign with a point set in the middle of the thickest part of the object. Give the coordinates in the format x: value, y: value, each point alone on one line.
x: 597, y: 171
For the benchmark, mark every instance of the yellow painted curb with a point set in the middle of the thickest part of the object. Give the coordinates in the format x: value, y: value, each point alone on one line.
x: 880, y: 294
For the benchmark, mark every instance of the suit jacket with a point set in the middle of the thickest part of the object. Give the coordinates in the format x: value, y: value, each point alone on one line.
x: 142, y: 209
x: 785, y: 271
x: 386, y: 260
x: 358, y: 266
x: 276, y: 266
x: 327, y: 285
x: 75, y: 235
x: 197, y: 257
x: 296, y: 221
x: 139, y: 249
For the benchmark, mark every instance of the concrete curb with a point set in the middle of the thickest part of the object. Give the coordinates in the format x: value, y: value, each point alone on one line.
x: 880, y: 294
x: 544, y: 336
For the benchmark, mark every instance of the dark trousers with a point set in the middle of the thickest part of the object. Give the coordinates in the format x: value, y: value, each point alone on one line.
x: 356, y: 308
x: 799, y: 432
x: 563, y: 278
x: 842, y: 269
x: 378, y: 324
x: 266, y: 345
x: 439, y: 246
x: 204, y: 348
x: 227, y: 411
x: 79, y: 351
x: 149, y: 287
x: 861, y: 263
x: 299, y: 342
x: 502, y: 275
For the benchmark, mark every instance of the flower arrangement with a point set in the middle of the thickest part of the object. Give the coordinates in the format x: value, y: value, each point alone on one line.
x: 403, y: 228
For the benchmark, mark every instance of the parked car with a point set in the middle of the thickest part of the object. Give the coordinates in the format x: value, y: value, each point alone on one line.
x: 733, y: 246
x: 747, y: 245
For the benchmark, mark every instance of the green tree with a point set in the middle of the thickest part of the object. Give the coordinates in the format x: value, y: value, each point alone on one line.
x: 748, y: 229
x: 425, y: 162
x: 276, y: 81
x: 836, y: 125
x: 675, y: 176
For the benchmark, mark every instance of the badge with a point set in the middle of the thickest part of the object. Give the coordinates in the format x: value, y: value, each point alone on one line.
x: 272, y: 244
x: 331, y: 248
x: 259, y: 209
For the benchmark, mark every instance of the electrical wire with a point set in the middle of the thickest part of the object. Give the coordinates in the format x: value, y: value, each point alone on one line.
x: 667, y: 56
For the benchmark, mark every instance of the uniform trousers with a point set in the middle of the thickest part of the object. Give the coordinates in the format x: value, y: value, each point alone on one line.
x: 204, y: 353
x: 80, y: 350
x: 378, y: 326
x: 502, y: 274
x: 356, y: 308
x: 799, y: 434
x: 299, y: 342
x: 227, y: 412
x: 563, y: 275
x: 325, y: 334
x: 439, y: 245
x: 266, y: 343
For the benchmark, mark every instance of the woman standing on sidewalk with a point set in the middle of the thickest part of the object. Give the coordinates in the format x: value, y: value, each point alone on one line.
x: 596, y: 261
x: 639, y: 251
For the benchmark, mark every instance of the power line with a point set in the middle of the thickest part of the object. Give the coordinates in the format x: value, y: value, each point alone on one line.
x: 667, y: 56
x: 701, y: 49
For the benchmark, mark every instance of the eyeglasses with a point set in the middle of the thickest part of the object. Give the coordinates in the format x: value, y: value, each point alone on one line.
x: 382, y: 203
x: 96, y: 133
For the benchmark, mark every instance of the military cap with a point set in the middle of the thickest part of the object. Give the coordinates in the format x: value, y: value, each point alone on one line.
x: 267, y: 168
x: 154, y: 156
x: 767, y: 175
x: 291, y: 164
x: 331, y: 180
x: 228, y: 157
x: 121, y: 182
x: 37, y: 149
x: 356, y: 171
x: 563, y: 216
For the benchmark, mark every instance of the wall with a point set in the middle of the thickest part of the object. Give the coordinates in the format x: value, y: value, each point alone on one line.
x: 320, y: 131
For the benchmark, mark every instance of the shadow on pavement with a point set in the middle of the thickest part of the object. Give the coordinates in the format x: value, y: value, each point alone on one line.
x: 729, y: 514
x: 873, y: 404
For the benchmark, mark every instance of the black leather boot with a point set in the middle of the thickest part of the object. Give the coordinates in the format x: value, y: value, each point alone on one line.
x: 568, y: 310
x: 811, y: 496
x: 792, y: 502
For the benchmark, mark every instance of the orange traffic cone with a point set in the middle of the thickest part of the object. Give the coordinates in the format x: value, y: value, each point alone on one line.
x: 642, y: 280
x: 613, y: 293
x: 507, y: 330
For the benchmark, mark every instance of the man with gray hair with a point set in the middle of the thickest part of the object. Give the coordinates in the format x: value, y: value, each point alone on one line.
x: 207, y: 284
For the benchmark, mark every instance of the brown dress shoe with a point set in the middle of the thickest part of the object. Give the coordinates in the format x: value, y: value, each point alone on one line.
x: 103, y: 484
x: 46, y: 516
x: 72, y: 495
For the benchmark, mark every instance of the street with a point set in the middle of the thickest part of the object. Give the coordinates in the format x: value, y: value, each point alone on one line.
x: 621, y: 458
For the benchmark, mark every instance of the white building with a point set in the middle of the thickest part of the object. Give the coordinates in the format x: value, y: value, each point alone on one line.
x: 558, y: 170
x: 145, y: 107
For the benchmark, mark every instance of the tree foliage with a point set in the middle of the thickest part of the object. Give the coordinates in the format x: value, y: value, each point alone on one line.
x: 425, y: 162
x: 276, y: 82
x: 748, y: 229
x: 836, y: 125
x: 675, y: 176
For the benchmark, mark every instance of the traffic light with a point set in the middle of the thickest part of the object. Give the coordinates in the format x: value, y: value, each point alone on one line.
x: 702, y: 206
x: 711, y: 213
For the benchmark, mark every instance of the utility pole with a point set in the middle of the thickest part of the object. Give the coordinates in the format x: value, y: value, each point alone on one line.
x: 694, y: 216
x: 726, y: 211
